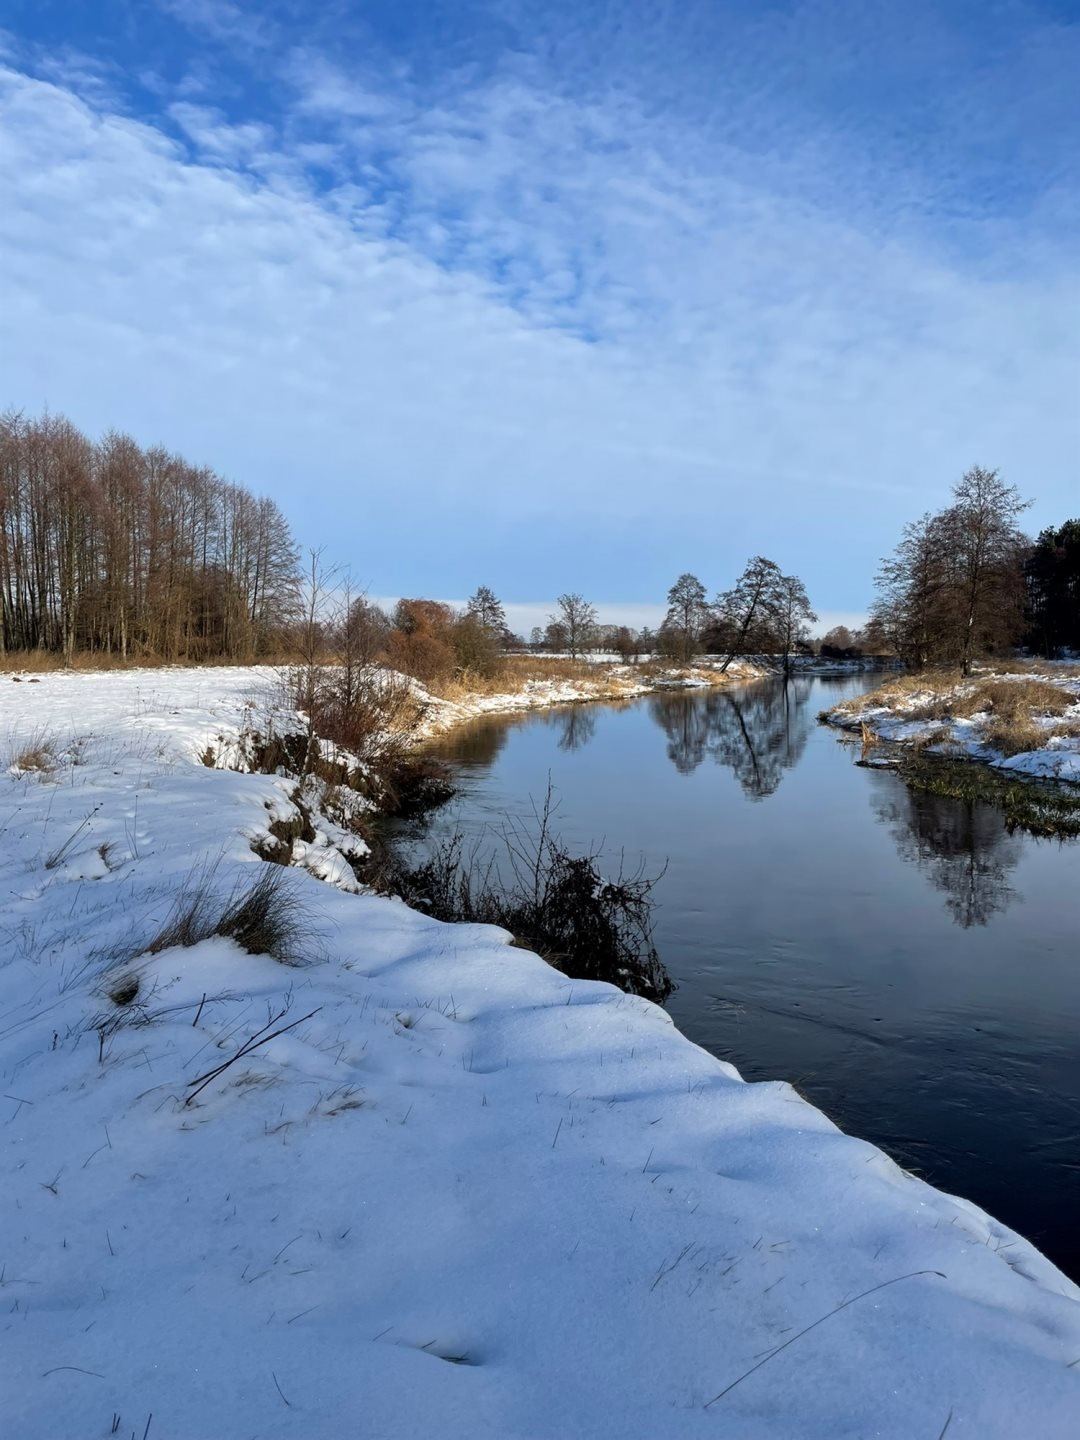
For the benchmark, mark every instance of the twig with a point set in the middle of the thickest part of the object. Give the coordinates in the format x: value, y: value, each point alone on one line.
x: 77, y: 1368
x: 279, y: 1389
x: 253, y: 1043
x: 198, y: 1012
x: 798, y: 1336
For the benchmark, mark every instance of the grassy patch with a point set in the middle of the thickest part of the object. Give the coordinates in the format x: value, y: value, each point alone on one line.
x: 1038, y: 807
x: 264, y: 918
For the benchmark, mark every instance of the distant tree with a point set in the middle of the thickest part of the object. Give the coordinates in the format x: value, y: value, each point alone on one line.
x: 793, y: 616
x: 367, y: 630
x: 646, y: 641
x: 578, y: 618
x: 686, y: 614
x: 840, y: 644
x: 109, y: 547
x: 747, y: 616
x: 988, y: 552
x: 478, y: 648
x: 485, y: 609
x: 872, y: 639
x: 912, y: 606
x: 838, y: 638
x: 536, y: 638
x: 954, y: 588
x: 625, y: 644
x: 555, y: 637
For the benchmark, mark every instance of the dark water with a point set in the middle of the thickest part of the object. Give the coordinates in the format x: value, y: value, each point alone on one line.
x: 908, y: 964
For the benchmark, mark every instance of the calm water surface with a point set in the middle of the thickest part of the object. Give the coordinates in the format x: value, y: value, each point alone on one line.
x: 906, y: 962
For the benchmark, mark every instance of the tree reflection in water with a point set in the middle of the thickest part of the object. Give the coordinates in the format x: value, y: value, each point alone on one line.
x: 758, y: 732
x: 479, y: 743
x: 578, y: 725
x: 963, y: 847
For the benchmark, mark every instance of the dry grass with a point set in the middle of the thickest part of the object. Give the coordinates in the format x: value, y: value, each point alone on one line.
x: 266, y: 918
x: 515, y: 673
x: 1016, y: 704
x: 16, y: 663
x: 33, y: 754
x: 902, y: 688
x: 39, y: 758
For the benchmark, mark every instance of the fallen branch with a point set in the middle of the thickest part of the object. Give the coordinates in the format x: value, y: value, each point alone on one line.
x: 252, y: 1043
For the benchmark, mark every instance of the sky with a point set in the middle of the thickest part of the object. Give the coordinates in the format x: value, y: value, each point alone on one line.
x: 557, y: 294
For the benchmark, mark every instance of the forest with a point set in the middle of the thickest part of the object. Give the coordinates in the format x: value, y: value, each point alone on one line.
x: 111, y: 549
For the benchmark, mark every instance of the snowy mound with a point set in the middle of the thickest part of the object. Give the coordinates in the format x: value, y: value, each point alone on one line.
x: 410, y: 1181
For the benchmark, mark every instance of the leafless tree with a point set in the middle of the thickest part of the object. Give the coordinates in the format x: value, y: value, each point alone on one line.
x: 111, y: 548
x: 746, y: 615
x: 686, y: 614
x: 793, y: 616
x: 578, y: 619
x: 954, y: 587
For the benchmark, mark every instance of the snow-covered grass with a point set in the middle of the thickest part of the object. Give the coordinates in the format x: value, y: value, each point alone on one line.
x: 416, y: 1183
x: 1023, y: 721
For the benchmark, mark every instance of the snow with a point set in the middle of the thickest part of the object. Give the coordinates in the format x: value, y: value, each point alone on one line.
x: 461, y: 1196
x: 1057, y: 759
x: 615, y: 682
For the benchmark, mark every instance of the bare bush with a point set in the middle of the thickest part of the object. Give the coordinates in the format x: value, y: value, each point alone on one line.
x: 551, y: 901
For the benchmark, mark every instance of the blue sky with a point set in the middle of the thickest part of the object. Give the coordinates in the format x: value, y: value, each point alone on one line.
x: 557, y: 295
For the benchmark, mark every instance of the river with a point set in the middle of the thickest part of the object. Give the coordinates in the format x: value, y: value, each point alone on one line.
x: 908, y: 964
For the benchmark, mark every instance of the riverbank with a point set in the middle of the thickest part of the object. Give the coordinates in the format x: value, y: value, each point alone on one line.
x: 1022, y: 721
x: 581, y: 683
x: 405, y: 1179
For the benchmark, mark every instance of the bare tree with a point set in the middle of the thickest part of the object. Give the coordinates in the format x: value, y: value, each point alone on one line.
x: 989, y: 551
x: 578, y: 619
x: 792, y: 615
x: 112, y: 548
x: 746, y: 615
x: 686, y: 614
x: 954, y: 587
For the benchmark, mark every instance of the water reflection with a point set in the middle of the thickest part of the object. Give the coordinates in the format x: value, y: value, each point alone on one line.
x: 576, y: 724
x: 480, y: 744
x: 962, y: 846
x: 758, y: 732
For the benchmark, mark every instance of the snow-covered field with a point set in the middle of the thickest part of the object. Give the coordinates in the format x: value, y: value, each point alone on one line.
x: 459, y: 1196
x: 897, y: 716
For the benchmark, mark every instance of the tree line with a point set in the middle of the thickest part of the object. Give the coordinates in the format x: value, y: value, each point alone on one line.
x: 966, y: 582
x: 111, y: 548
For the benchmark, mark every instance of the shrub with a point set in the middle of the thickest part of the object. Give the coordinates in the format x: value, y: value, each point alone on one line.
x: 477, y: 649
x: 551, y: 901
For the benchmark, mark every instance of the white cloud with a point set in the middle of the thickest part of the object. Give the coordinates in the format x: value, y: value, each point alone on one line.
x: 523, y: 339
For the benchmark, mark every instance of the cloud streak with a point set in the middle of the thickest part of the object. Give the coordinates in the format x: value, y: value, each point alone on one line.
x: 491, y: 325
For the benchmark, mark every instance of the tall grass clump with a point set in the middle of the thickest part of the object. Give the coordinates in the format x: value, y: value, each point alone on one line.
x: 264, y: 918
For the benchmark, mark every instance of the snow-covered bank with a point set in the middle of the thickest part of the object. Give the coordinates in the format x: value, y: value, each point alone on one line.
x: 462, y: 1197
x: 1023, y: 723
x: 613, y: 681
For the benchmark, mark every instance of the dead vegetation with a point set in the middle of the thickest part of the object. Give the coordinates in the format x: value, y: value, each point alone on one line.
x: 264, y: 918
x: 553, y: 902
x: 1017, y: 707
